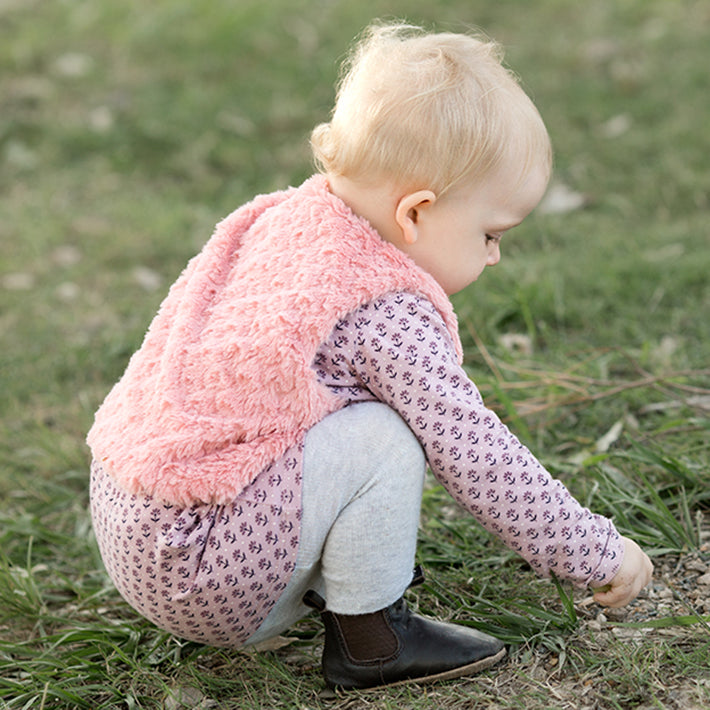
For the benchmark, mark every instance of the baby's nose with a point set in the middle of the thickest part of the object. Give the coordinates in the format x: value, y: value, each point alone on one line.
x: 493, y: 254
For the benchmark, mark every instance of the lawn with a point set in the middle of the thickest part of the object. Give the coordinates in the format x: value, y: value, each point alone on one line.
x: 128, y: 129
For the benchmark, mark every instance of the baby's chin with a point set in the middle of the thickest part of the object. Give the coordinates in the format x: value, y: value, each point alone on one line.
x: 452, y: 289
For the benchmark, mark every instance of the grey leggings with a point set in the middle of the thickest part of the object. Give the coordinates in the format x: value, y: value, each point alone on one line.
x: 363, y: 474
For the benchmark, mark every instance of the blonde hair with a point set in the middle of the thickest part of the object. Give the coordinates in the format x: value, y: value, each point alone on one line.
x: 427, y: 110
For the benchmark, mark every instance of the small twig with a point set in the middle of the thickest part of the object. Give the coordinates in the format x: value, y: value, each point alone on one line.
x: 44, y: 696
x: 484, y: 351
x: 579, y: 396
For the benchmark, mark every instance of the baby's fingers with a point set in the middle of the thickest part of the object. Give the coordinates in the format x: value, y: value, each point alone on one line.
x: 633, y: 575
x: 615, y: 597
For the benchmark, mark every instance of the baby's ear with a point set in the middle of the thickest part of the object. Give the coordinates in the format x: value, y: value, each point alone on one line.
x: 409, y: 210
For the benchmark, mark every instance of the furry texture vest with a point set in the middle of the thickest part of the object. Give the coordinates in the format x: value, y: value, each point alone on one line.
x: 222, y: 385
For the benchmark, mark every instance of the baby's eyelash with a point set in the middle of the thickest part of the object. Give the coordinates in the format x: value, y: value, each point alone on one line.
x: 493, y: 237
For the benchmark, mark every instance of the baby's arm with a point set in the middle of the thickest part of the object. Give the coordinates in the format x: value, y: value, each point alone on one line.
x: 398, y: 349
x: 633, y: 575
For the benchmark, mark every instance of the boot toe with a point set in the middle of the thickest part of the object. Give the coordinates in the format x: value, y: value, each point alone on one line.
x: 426, y: 651
x: 436, y: 650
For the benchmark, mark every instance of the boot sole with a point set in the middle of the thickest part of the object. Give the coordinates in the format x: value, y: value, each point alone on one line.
x: 460, y: 672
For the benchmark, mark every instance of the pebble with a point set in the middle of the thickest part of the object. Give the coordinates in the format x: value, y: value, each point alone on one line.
x: 628, y: 634
x: 616, y: 614
x: 187, y: 698
x: 696, y: 566
x: 594, y: 625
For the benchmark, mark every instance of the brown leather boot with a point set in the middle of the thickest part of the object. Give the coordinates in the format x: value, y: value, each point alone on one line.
x: 394, y: 646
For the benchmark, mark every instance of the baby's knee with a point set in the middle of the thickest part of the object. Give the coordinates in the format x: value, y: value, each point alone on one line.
x: 396, y: 440
x: 389, y: 443
x: 366, y: 441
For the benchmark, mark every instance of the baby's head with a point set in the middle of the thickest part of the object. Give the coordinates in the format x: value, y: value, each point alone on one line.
x: 428, y: 111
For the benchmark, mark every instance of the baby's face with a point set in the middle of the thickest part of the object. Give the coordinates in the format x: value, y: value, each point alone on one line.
x: 459, y: 235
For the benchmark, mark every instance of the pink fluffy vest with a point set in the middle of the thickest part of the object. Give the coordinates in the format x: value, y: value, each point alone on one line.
x: 222, y: 385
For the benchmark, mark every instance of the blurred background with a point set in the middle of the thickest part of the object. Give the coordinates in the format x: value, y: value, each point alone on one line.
x: 128, y: 129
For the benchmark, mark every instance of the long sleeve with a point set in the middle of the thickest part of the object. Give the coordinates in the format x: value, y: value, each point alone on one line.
x: 397, y: 350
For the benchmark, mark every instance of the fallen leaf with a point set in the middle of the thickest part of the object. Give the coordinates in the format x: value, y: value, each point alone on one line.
x: 101, y: 119
x: 73, y: 65
x: 273, y: 644
x: 617, y: 126
x: 517, y: 343
x: 19, y: 155
x: 66, y: 255
x: 148, y: 279
x: 611, y: 437
x: 18, y: 282
x: 561, y: 199
x: 68, y: 291
x: 187, y: 697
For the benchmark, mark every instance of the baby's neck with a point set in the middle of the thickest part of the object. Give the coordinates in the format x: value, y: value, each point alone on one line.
x: 374, y: 202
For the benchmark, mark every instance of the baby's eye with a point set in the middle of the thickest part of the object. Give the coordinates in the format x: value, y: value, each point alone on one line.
x: 493, y: 237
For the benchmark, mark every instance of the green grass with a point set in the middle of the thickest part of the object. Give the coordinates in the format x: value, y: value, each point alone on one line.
x: 129, y: 128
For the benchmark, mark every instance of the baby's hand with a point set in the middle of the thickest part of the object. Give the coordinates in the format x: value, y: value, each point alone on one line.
x: 633, y: 575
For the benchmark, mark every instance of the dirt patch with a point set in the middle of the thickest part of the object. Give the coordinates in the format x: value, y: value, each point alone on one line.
x: 671, y: 616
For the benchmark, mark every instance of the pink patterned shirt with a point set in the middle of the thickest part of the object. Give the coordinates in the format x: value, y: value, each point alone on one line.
x: 397, y: 350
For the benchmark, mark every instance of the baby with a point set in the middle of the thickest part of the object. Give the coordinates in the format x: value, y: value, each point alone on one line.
x: 265, y: 450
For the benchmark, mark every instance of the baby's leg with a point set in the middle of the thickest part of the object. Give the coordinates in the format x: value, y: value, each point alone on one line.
x: 363, y: 474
